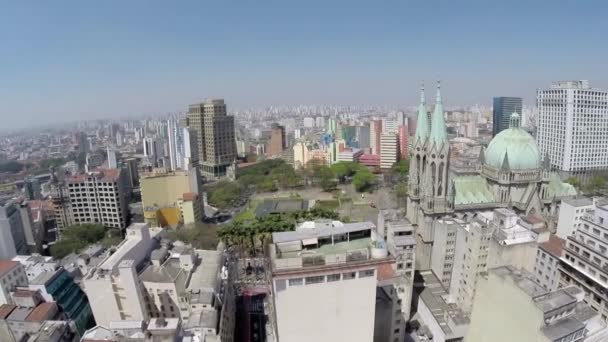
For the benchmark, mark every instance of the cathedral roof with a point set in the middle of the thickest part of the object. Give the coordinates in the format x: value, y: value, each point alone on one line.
x: 472, y: 190
x: 514, y: 148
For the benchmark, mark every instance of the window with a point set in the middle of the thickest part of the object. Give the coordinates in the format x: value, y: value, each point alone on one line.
x: 366, y: 273
x: 315, y: 280
x: 296, y: 282
x: 349, y: 275
x: 333, y: 277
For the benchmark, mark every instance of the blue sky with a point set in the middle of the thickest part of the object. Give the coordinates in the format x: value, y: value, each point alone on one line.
x: 64, y: 60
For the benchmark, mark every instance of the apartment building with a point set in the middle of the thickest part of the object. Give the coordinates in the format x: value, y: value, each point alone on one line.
x: 585, y: 259
x: 12, y: 275
x: 12, y: 230
x: 98, y: 197
x: 571, y: 212
x: 389, y: 149
x: 547, y: 263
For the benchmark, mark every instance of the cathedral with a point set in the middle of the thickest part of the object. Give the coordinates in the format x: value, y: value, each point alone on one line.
x: 511, y: 175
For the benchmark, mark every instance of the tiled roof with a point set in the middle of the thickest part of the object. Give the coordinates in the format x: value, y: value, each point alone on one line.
x: 7, y: 265
x: 554, y: 246
x: 42, y: 312
x: 6, y: 310
x: 189, y: 196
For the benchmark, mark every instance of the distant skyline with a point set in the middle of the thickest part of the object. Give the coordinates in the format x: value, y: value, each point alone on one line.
x: 70, y: 60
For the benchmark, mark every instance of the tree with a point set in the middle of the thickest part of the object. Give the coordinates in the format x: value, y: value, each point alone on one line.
x: 575, y: 182
x: 11, y: 167
x: 401, y: 167
x: 344, y: 169
x: 595, y: 185
x: 401, y: 190
x: 364, y: 180
x: 326, y: 179
x: 223, y: 194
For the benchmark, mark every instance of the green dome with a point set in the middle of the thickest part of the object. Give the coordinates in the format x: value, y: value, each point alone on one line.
x: 515, y: 145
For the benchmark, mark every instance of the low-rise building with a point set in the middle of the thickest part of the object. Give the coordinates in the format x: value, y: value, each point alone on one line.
x: 12, y: 275
x: 571, y: 212
x: 548, y: 258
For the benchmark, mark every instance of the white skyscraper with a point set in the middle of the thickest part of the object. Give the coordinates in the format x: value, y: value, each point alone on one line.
x: 176, y: 141
x: 112, y: 162
x: 573, y: 127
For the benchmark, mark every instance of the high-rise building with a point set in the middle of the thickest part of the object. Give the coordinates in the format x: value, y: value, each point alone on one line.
x: 510, y: 306
x: 83, y: 142
x: 548, y: 258
x: 12, y: 234
x: 403, y: 150
x: 320, y: 122
x: 585, y: 260
x: 215, y: 136
x: 375, y: 131
x: 98, y: 197
x: 389, y: 149
x: 277, y: 142
x: 31, y: 187
x: 572, y: 127
x: 112, y: 161
x: 152, y: 151
x: 309, y: 122
x: 502, y: 109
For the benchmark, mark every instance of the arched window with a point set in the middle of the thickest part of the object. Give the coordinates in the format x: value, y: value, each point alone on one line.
x: 440, y: 184
x: 433, y: 176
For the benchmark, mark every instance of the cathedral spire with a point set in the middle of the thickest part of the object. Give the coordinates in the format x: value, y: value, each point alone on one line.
x: 438, y: 129
x: 422, y: 124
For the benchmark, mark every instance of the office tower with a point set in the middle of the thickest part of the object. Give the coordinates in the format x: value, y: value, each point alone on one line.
x: 12, y: 274
x: 175, y: 138
x: 114, y: 129
x: 12, y: 234
x: 83, y: 142
x: 215, y: 136
x: 502, y: 109
x: 57, y: 285
x: 510, y: 306
x: 297, y: 133
x: 112, y: 161
x: 585, y: 261
x: 332, y: 126
x: 572, y: 127
x: 389, y: 150
x: 113, y: 286
x: 31, y: 187
x: 548, y: 258
x: 98, y: 197
x: 190, y: 146
x: 300, y: 154
x: 277, y: 142
x: 363, y: 135
x: 325, y: 281
x: 151, y: 150
x: 375, y: 131
x: 403, y: 150
x: 119, y: 138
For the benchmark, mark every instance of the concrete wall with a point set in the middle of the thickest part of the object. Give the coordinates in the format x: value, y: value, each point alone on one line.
x: 570, y: 219
x: 327, y: 312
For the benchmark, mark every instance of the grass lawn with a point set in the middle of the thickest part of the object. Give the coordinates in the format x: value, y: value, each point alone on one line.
x: 327, y: 204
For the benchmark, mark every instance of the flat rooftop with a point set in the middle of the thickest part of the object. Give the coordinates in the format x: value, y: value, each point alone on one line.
x: 336, y: 228
x: 329, y: 249
x: 578, y: 201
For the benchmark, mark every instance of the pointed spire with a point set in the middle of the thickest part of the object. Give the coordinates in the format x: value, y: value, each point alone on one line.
x: 438, y: 130
x: 505, y: 163
x: 422, y: 124
x: 482, y: 156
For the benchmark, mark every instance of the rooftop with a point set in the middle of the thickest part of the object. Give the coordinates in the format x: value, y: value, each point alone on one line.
x: 269, y: 207
x: 7, y: 265
x: 42, y: 312
x: 101, y: 175
x: 578, y: 201
x: 554, y: 246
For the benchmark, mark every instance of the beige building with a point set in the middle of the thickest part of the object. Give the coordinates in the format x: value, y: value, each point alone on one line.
x: 511, y: 306
x: 12, y: 275
x: 171, y: 198
x: 548, y: 258
x: 335, y: 281
x: 97, y: 197
x: 389, y: 149
x: 214, y: 135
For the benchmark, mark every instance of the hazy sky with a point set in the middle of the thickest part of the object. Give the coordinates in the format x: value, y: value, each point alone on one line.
x: 63, y: 60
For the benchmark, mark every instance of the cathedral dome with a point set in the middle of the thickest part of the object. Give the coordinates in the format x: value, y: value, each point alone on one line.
x: 513, y: 148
